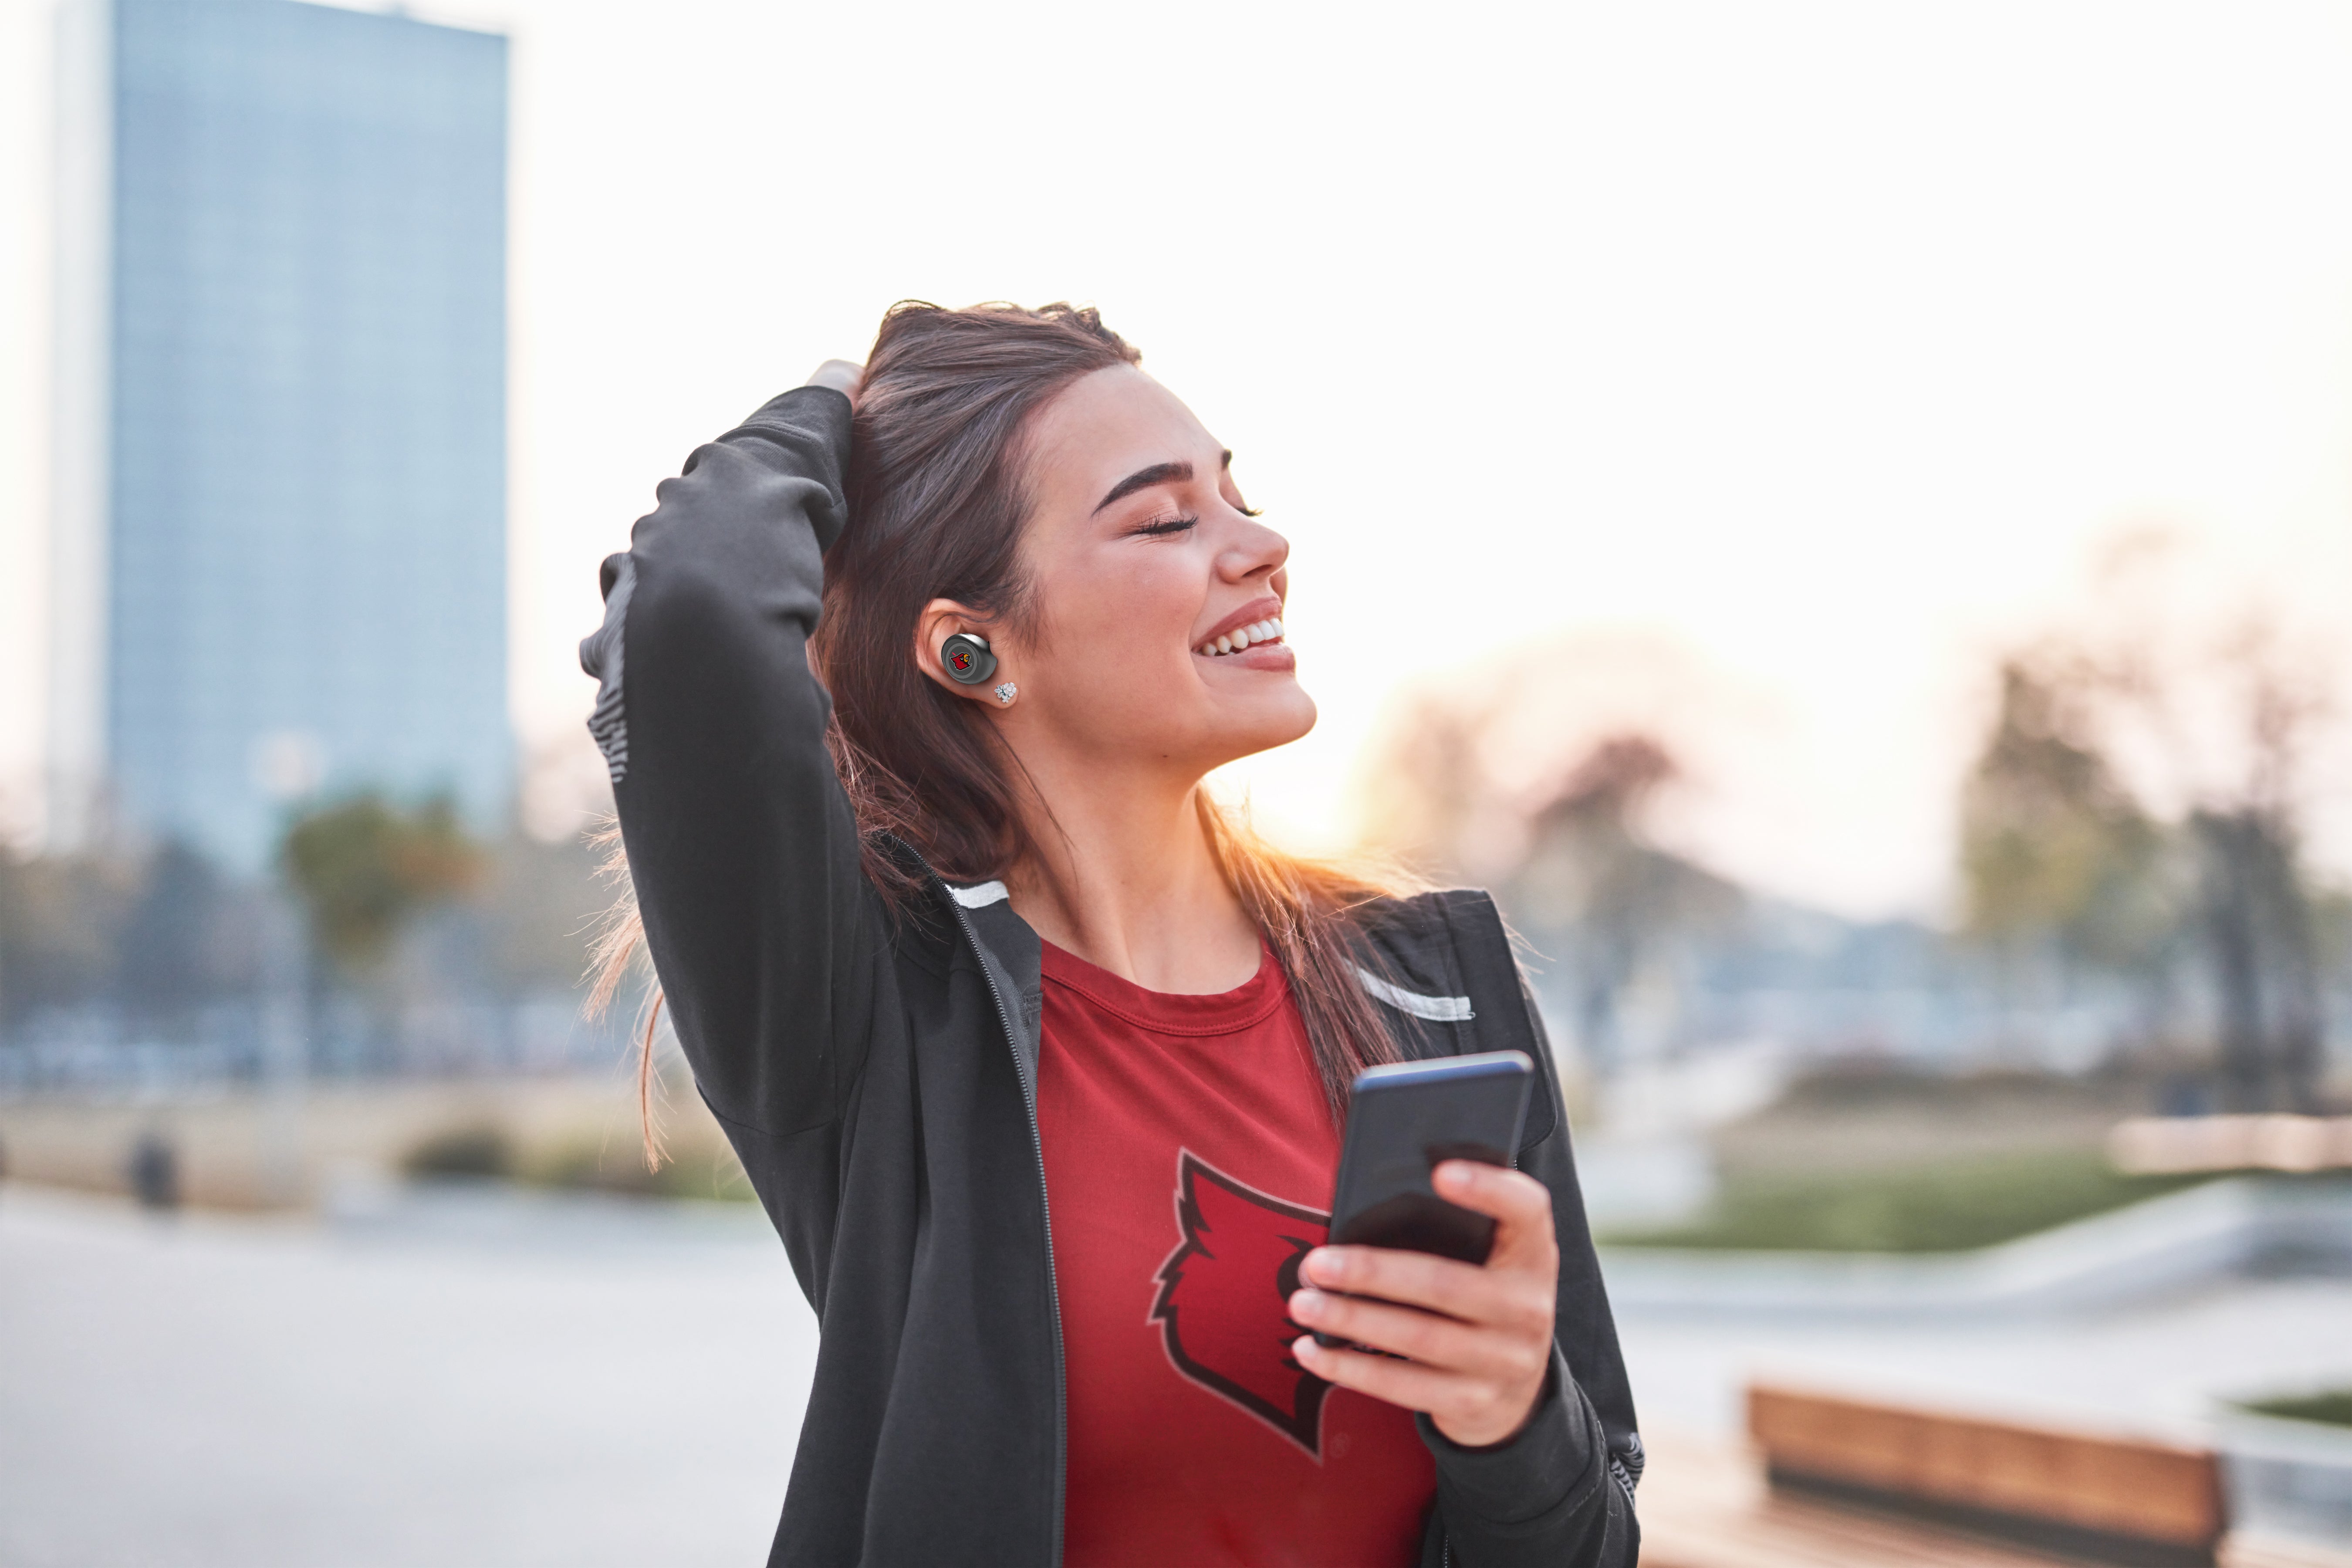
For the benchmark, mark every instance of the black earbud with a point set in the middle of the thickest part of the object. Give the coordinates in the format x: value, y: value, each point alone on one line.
x: 966, y: 658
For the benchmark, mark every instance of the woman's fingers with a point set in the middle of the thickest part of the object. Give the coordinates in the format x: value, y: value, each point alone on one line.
x: 1475, y: 1340
x: 1519, y: 1204
x: 1517, y: 1296
x: 1443, y: 1345
x: 1402, y: 1382
x: 845, y: 377
x: 1415, y: 1279
x: 1474, y: 1412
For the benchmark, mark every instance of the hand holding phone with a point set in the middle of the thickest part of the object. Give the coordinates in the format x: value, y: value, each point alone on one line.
x: 1444, y: 1308
x: 1403, y: 1121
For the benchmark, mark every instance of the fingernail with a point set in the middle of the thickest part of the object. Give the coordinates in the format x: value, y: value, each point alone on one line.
x: 1456, y: 1174
x: 1322, y: 1265
x: 1305, y: 1304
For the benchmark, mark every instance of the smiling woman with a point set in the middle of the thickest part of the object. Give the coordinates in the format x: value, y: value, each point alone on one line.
x: 1037, y: 1058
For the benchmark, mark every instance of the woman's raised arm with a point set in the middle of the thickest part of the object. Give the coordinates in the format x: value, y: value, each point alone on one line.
x: 740, y: 841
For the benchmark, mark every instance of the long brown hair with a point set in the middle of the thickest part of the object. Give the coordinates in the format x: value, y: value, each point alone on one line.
x: 937, y: 499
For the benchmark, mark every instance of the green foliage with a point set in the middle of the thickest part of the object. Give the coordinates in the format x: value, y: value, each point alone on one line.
x: 584, y: 1161
x: 2333, y: 1409
x: 695, y: 1171
x: 1946, y: 1207
x: 481, y: 1150
x: 191, y: 936
x: 539, y: 903
x: 1875, y: 1086
x: 366, y: 867
x: 60, y: 919
x: 2052, y: 843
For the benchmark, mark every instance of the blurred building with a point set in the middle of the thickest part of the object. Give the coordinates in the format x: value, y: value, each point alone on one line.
x: 280, y: 556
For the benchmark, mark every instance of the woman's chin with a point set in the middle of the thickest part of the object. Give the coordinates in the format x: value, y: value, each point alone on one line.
x: 1268, y: 719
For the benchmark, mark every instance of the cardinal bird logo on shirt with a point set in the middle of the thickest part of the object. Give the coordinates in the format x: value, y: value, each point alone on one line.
x: 1223, y: 1306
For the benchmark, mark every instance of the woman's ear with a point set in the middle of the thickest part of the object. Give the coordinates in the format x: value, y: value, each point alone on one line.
x: 943, y: 619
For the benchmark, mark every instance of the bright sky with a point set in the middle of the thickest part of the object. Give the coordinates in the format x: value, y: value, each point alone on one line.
x: 1819, y: 344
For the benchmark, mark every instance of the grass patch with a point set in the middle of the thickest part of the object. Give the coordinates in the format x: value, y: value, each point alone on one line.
x: 2333, y: 1409
x: 698, y: 1168
x: 694, y: 1171
x: 1952, y: 1206
x: 482, y: 1151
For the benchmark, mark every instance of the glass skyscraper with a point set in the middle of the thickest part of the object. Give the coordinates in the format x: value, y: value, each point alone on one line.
x: 281, y: 533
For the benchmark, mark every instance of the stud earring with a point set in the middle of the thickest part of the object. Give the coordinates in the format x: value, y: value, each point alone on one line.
x: 1006, y: 693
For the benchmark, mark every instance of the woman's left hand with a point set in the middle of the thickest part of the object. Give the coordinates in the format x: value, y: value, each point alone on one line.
x: 1477, y: 1341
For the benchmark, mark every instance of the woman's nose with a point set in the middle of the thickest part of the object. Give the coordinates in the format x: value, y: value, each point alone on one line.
x: 1256, y: 550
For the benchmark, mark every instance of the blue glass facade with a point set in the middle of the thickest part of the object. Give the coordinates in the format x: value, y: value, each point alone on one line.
x: 306, y: 567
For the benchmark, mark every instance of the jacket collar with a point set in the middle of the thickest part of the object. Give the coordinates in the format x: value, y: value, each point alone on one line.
x: 1011, y: 955
x: 1439, y: 963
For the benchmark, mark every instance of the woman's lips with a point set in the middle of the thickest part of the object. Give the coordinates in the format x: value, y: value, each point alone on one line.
x: 1259, y: 656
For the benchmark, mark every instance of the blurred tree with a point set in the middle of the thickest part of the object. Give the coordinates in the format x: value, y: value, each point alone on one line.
x: 2054, y: 847
x: 415, y: 919
x: 2058, y: 849
x: 1615, y: 904
x: 2256, y: 920
x: 60, y: 919
x: 539, y: 904
x: 1428, y: 785
x: 2257, y: 912
x: 1571, y: 859
x: 189, y: 938
x: 365, y: 868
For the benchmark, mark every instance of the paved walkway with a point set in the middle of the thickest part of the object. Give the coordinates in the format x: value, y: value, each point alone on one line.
x: 497, y: 1380
x: 2157, y: 1370
x: 439, y: 1391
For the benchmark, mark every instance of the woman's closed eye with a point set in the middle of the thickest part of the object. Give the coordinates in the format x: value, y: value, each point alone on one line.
x: 1163, y: 527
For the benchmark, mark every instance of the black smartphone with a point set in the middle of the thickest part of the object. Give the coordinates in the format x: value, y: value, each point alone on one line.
x: 1403, y: 1119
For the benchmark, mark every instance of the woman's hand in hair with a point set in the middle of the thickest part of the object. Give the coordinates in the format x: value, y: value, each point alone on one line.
x: 845, y: 377
x: 1476, y: 1341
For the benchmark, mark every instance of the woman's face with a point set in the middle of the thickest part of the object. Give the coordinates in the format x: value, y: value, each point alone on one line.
x: 1142, y: 555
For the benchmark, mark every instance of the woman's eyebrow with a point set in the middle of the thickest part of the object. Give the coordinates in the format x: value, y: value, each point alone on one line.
x: 1144, y: 479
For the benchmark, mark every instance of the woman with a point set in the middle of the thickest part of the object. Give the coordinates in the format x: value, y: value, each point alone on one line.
x: 1036, y: 1061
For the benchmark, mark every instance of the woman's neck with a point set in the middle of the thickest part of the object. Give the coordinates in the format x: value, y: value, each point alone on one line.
x: 1123, y: 876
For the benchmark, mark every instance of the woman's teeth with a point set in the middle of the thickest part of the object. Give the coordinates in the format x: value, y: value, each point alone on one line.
x: 1247, y: 636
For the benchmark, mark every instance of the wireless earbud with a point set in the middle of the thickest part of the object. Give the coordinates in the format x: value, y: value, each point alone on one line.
x: 966, y: 659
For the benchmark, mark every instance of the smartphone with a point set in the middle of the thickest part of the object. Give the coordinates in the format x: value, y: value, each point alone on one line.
x: 1403, y: 1121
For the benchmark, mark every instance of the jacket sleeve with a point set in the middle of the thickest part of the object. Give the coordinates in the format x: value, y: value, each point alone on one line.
x: 1559, y: 1493
x: 742, y: 844
x: 1550, y: 1495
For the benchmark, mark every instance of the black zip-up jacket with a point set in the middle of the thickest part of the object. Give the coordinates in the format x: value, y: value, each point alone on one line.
x: 878, y: 1074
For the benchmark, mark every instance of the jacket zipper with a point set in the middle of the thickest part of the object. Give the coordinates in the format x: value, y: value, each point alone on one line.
x: 1044, y: 1211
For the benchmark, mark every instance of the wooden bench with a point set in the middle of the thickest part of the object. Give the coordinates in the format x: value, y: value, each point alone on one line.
x: 2095, y: 1499
x: 1706, y: 1504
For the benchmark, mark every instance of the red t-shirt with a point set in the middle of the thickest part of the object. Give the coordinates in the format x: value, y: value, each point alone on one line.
x: 1189, y: 1154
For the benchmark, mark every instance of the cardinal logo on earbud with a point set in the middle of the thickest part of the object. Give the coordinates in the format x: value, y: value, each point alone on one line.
x: 967, y: 659
x: 1223, y: 1308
